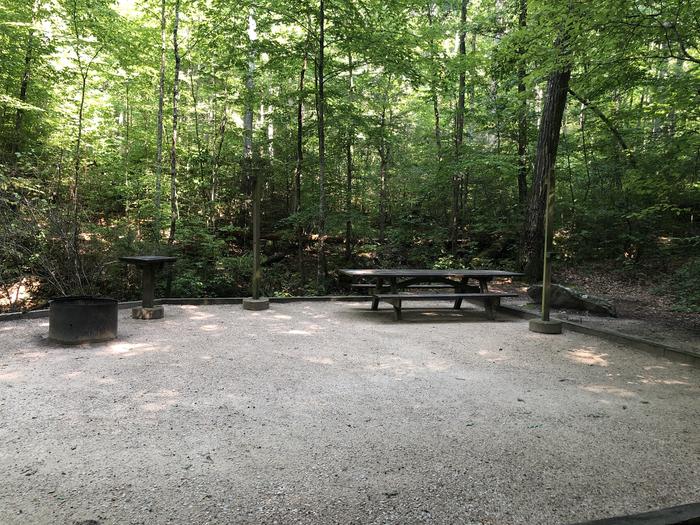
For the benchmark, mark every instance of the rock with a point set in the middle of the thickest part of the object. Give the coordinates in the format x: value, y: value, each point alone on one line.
x: 563, y: 297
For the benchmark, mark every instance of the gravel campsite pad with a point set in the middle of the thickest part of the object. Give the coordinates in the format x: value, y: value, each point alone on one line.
x: 318, y: 412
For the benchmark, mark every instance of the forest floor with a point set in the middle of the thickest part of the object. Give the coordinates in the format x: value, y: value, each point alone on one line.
x: 641, y: 311
x: 324, y: 412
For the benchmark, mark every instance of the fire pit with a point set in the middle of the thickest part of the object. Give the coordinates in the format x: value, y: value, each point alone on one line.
x: 83, y: 319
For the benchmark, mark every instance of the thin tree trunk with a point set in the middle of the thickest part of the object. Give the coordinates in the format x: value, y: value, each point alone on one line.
x: 570, y: 174
x: 349, y: 168
x: 584, y: 149
x: 127, y: 148
x: 522, y: 117
x: 322, y: 270
x: 383, y: 193
x: 197, y: 138
x: 434, y: 94
x: 248, y: 155
x: 24, y: 87
x: 216, y: 162
x: 174, y: 212
x: 296, y: 206
x: 84, y: 70
x: 616, y: 133
x: 459, y: 132
x: 547, y: 143
x: 76, y: 165
x: 464, y: 176
x: 159, y: 129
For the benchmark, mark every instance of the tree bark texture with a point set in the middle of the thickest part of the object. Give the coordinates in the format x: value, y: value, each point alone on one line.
x: 383, y: 151
x: 322, y: 270
x: 248, y: 156
x: 459, y: 133
x: 547, y: 144
x: 296, y: 206
x: 159, y: 125
x: 173, y: 146
x: 349, y: 168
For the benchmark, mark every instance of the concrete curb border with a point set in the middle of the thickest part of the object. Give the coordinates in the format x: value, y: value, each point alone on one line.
x: 38, y: 314
x: 680, y: 515
x: 639, y: 343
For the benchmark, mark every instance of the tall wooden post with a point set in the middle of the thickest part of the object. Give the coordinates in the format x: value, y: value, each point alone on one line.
x: 256, y: 231
x: 548, y: 238
x: 255, y: 302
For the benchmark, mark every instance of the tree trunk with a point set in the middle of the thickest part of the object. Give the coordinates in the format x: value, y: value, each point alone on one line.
x: 434, y: 94
x: 459, y: 133
x: 248, y: 155
x: 322, y: 270
x: 522, y: 117
x: 296, y: 207
x: 76, y: 165
x: 216, y: 162
x: 615, y: 132
x: 159, y: 128
x: 24, y: 86
x: 173, y: 146
x: 127, y: 148
x: 547, y: 143
x: 383, y: 188
x: 198, y: 141
x: 348, y: 169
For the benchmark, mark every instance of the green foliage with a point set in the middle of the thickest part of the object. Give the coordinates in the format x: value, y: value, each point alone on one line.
x: 446, y: 262
x: 684, y: 285
x: 627, y: 170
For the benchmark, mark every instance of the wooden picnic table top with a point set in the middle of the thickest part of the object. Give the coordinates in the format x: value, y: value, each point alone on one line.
x: 404, y: 272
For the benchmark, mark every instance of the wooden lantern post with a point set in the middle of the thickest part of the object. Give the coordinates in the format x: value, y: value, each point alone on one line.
x: 256, y: 234
x: 545, y: 325
x: 548, y: 241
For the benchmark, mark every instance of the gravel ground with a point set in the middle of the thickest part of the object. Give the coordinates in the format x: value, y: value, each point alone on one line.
x: 330, y: 413
x: 683, y: 332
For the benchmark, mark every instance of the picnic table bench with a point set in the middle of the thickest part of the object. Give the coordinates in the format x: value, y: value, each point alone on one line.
x: 390, y: 286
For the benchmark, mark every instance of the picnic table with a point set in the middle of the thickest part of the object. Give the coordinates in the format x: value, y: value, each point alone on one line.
x: 391, y: 284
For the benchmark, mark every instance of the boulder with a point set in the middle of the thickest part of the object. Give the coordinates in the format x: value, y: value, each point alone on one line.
x: 563, y: 297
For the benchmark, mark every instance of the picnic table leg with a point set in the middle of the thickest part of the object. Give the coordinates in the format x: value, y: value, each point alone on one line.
x: 396, y: 303
x: 489, y: 301
x: 460, y: 288
x: 377, y: 291
x: 490, y: 310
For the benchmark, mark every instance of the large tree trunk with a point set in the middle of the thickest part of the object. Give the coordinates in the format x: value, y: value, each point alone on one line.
x: 173, y: 146
x: 522, y: 116
x: 322, y: 269
x: 159, y: 126
x: 459, y: 133
x: 547, y: 143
